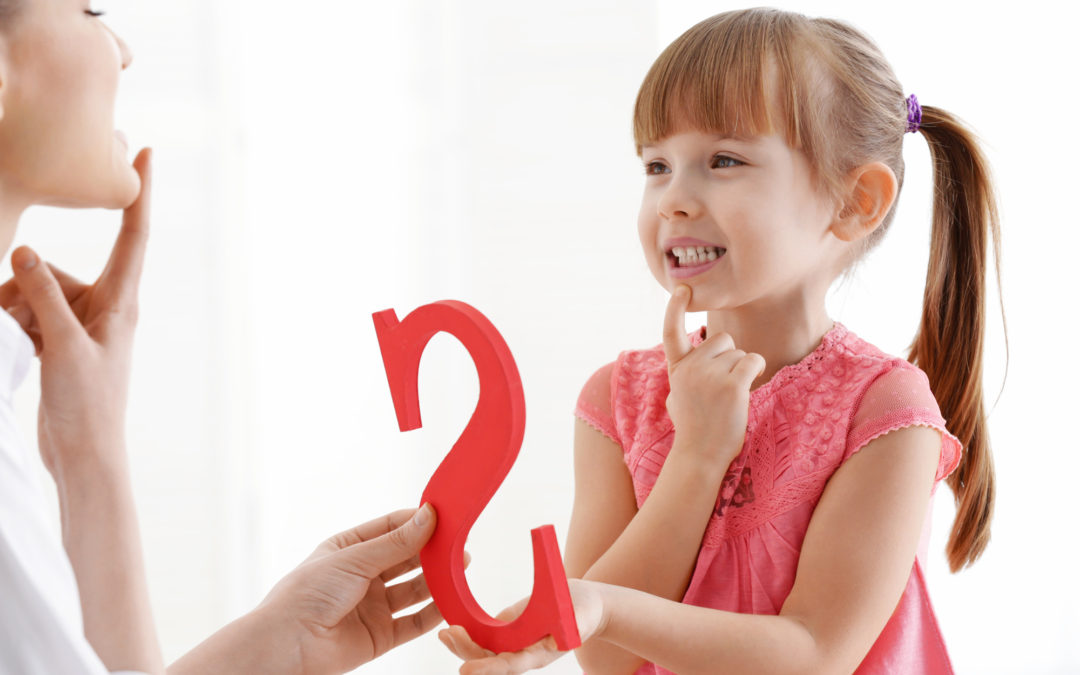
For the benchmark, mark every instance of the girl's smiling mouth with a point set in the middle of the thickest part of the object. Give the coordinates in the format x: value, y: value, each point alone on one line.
x: 688, y: 257
x: 692, y: 256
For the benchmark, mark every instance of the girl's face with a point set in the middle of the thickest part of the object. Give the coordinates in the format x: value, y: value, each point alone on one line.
x: 59, y: 71
x: 738, y: 220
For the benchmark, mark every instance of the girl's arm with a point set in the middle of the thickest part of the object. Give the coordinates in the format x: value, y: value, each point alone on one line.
x: 855, y: 563
x: 653, y: 549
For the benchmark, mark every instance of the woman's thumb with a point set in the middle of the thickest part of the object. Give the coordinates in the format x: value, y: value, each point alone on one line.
x: 377, y: 555
x: 44, y: 295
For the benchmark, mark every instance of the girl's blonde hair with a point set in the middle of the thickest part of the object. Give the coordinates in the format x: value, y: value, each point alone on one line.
x: 827, y: 89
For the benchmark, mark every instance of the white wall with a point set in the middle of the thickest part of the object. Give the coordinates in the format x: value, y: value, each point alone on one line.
x: 320, y: 161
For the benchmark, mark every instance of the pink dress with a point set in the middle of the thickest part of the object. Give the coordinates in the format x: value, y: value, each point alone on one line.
x: 803, y: 423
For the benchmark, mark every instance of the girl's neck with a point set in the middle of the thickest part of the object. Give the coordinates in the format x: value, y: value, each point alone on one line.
x: 780, y: 337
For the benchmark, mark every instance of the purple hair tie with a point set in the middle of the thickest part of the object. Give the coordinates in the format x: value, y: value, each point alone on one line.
x: 914, y: 114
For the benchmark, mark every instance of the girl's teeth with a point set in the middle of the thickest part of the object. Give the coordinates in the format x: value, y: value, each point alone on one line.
x: 694, y: 255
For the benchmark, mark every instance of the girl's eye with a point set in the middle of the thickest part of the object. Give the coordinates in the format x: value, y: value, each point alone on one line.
x: 724, y: 162
x: 95, y: 13
x: 655, y: 168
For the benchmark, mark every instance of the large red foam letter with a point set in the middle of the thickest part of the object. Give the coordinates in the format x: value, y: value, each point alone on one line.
x: 473, y: 469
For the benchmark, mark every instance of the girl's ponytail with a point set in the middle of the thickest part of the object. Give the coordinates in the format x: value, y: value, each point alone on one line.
x: 949, y: 343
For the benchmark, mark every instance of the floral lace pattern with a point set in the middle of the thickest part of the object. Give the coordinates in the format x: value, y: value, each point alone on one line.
x: 797, y: 431
x: 802, y: 424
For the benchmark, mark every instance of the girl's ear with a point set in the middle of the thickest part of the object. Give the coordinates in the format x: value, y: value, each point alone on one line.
x: 873, y: 191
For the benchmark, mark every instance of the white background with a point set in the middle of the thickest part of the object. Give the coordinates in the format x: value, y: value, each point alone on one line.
x: 319, y: 161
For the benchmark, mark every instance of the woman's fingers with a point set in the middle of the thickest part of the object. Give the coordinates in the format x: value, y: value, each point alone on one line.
x: 120, y: 279
x: 414, y: 625
x: 370, y: 559
x: 9, y: 293
x: 44, y: 295
x: 407, y: 593
x: 366, y: 532
x: 23, y: 316
x: 676, y: 343
x: 11, y: 297
x: 403, y: 568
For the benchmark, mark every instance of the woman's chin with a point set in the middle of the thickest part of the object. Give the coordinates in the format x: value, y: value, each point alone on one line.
x: 126, y: 182
x: 117, y: 192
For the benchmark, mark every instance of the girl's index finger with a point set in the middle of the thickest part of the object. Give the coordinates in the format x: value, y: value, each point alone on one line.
x: 122, y: 272
x: 676, y: 343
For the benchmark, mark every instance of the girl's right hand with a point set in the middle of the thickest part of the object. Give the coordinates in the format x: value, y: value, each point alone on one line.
x: 589, y: 612
x: 710, y: 387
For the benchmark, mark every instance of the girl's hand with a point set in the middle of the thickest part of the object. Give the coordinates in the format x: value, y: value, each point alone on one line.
x: 83, y: 334
x: 588, y: 609
x: 710, y: 387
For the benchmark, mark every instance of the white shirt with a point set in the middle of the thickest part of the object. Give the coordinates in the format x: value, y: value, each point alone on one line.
x: 41, y: 629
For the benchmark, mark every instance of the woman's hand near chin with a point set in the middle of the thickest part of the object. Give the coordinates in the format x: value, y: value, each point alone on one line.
x: 83, y: 334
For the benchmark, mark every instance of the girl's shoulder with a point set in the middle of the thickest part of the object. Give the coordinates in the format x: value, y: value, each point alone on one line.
x: 893, y: 394
x: 628, y: 393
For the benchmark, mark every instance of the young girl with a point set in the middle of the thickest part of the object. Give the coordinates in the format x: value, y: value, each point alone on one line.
x: 753, y: 497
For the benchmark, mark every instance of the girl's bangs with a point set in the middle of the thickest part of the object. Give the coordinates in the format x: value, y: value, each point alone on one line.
x: 719, y: 77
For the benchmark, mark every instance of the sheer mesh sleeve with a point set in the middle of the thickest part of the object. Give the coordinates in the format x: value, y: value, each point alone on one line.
x: 594, y: 404
x: 901, y: 398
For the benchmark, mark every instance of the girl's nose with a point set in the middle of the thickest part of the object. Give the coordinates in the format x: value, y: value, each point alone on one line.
x: 678, y: 200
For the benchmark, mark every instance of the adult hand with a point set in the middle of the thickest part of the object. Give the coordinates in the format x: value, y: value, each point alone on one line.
x: 710, y: 387
x: 336, y: 610
x: 83, y: 334
x: 588, y: 610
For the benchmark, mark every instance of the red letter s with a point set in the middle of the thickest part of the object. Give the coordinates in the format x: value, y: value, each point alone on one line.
x: 471, y: 473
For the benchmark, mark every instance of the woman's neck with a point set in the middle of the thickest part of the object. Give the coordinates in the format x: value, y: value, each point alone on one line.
x: 11, y: 211
x: 782, y: 335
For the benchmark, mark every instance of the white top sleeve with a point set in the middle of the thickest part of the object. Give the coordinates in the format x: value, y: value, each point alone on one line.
x: 41, y: 630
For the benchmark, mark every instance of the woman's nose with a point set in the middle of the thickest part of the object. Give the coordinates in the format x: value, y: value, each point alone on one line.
x: 125, y: 52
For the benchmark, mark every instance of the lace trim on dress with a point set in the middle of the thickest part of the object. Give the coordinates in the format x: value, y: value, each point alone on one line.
x: 589, y: 414
x: 951, y: 448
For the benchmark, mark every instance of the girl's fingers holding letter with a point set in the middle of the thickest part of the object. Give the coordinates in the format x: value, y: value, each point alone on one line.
x: 458, y: 641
